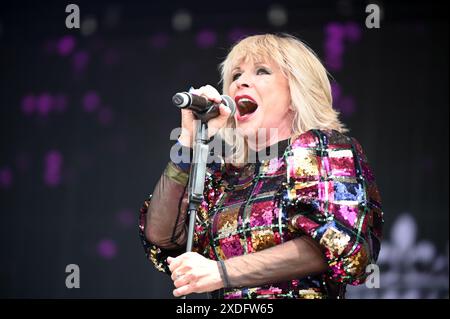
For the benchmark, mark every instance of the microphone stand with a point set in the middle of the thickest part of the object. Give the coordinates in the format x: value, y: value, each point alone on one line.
x: 197, y: 176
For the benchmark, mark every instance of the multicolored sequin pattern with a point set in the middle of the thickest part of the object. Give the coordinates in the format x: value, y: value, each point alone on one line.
x: 321, y: 186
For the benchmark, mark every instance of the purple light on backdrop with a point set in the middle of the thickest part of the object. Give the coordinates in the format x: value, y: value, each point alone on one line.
x: 237, y: 33
x: 52, y: 168
x: 334, y: 47
x: 206, y: 39
x: 6, y: 177
x: 66, y: 45
x: 335, y: 35
x: 80, y: 61
x: 353, y: 31
x: 107, y: 248
x: 60, y: 102
x: 105, y: 116
x: 345, y: 104
x: 28, y: 104
x: 126, y: 218
x: 44, y: 104
x: 159, y: 40
x: 91, y: 101
x: 335, y: 91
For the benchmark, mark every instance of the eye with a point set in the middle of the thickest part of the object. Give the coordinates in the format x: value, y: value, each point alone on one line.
x: 236, y: 76
x: 262, y: 71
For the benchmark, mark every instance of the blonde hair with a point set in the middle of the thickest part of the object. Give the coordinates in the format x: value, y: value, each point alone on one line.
x: 309, y: 85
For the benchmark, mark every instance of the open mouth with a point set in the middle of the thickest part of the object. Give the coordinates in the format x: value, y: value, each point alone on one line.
x: 245, y: 105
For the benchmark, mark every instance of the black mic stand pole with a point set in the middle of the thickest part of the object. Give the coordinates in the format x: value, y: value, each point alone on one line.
x: 197, y: 176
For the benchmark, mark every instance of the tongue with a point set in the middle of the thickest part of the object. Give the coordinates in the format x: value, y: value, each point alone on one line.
x: 247, y: 107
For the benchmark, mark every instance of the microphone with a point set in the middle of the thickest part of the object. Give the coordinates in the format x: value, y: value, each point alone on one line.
x: 201, y: 105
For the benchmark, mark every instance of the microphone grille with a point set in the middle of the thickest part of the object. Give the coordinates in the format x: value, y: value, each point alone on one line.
x: 229, y: 102
x: 181, y: 100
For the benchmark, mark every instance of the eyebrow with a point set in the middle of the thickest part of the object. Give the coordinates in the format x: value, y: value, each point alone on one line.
x: 238, y: 68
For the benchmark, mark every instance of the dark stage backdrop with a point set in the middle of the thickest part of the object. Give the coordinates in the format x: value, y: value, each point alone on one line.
x: 85, y: 118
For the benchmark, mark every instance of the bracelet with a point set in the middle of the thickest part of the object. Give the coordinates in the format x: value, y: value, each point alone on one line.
x: 223, y: 274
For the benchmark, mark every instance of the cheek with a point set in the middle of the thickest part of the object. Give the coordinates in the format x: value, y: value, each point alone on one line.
x: 231, y: 89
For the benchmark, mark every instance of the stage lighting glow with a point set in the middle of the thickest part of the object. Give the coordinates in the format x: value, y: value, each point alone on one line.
x: 107, y: 248
x: 345, y: 104
x: 52, y: 168
x: 28, y: 104
x: 206, y: 39
x: 126, y: 218
x: 353, y: 31
x: 44, y: 104
x: 91, y: 101
x: 237, y: 34
x: 277, y: 15
x: 334, y: 45
x: 80, y: 61
x: 6, y: 177
x: 105, y: 116
x: 181, y: 20
x: 88, y: 26
x: 66, y: 45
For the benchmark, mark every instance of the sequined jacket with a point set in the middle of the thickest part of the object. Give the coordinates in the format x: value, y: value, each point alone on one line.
x: 319, y: 186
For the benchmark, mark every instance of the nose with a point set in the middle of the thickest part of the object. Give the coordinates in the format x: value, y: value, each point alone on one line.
x: 241, y: 85
x: 243, y: 81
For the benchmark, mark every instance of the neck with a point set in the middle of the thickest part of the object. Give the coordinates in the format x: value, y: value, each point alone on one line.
x: 268, y: 137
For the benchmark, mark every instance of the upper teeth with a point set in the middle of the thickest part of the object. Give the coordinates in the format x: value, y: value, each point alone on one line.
x: 245, y: 100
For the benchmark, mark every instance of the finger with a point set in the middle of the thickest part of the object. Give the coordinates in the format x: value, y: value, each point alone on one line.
x: 210, y: 93
x: 180, y: 261
x: 224, y: 110
x: 184, y: 290
x: 183, y: 280
x: 174, y: 264
x: 213, y: 93
x: 180, y: 271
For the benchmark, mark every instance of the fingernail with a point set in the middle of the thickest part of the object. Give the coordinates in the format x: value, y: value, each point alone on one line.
x: 191, y: 89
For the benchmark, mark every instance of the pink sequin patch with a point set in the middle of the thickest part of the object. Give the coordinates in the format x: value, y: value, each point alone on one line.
x: 262, y: 214
x: 342, y: 166
x: 305, y: 224
x: 231, y: 246
x: 345, y: 214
